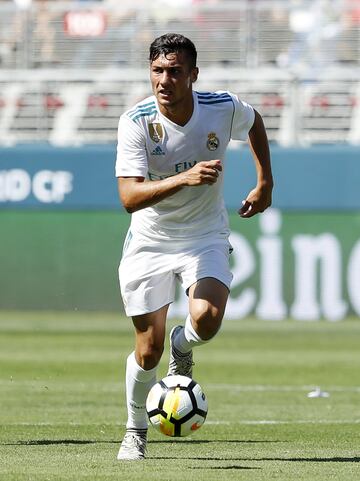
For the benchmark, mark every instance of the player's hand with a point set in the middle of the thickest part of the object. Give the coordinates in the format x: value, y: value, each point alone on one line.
x: 257, y: 201
x: 204, y: 172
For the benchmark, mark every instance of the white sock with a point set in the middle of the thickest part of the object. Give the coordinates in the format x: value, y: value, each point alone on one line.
x: 138, y: 384
x: 187, y: 338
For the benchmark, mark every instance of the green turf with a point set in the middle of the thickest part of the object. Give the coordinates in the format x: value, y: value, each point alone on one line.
x: 62, y: 402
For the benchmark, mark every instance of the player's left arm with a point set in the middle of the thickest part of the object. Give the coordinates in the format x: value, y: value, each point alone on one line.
x: 259, y: 198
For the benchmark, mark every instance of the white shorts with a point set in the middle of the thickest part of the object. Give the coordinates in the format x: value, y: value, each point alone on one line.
x: 148, y: 272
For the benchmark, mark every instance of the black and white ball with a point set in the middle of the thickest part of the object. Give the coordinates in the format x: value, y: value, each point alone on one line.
x: 176, y: 406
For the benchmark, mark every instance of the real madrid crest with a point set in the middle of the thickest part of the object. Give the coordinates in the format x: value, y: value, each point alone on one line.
x: 156, y: 132
x: 212, y: 141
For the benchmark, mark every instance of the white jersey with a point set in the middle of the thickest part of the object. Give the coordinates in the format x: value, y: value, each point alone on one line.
x: 152, y: 146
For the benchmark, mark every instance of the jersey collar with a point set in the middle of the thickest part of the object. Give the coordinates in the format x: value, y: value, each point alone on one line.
x: 189, y: 125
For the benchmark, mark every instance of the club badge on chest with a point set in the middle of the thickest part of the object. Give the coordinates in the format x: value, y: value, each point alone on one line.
x: 212, y: 141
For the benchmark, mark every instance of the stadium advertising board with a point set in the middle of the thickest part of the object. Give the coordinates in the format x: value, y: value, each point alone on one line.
x: 320, y: 178
x: 58, y: 178
x: 85, y: 23
x: 300, y: 265
x: 285, y: 264
x: 300, y: 259
x: 43, y: 186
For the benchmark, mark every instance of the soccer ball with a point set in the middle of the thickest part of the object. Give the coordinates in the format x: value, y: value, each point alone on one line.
x: 176, y: 406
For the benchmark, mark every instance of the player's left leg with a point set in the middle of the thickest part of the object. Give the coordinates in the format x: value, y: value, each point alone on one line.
x: 207, y: 302
x: 206, y: 277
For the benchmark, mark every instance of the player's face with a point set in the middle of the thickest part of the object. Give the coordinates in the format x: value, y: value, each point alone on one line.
x: 172, y: 78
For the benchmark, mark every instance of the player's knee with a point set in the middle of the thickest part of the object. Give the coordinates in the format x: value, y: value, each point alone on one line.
x: 150, y: 355
x: 206, y: 320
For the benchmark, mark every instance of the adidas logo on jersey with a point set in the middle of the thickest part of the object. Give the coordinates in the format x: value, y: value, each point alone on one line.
x: 158, y: 151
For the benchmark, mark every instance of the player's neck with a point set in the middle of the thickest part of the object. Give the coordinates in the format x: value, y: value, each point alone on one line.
x: 179, y: 113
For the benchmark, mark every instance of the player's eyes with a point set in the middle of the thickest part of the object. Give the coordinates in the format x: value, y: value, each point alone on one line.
x: 172, y: 71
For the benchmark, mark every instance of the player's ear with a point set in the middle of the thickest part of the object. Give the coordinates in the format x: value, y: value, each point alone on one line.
x: 194, y: 74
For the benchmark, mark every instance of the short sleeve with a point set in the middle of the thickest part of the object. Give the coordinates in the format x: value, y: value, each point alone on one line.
x: 131, y: 159
x: 243, y: 119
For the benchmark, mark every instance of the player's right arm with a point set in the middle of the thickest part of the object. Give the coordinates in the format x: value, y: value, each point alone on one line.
x: 132, y: 169
x: 137, y: 193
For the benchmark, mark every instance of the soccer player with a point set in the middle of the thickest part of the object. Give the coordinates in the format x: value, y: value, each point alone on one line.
x: 170, y: 169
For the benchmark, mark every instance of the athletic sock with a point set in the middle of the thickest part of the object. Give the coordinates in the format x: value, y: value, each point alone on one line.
x: 187, y: 338
x: 138, y: 384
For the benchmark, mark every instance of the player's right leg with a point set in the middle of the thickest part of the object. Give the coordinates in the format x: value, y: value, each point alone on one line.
x: 141, y: 369
x: 147, y: 283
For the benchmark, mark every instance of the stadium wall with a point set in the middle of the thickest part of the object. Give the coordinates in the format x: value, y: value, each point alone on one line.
x: 42, y: 177
x: 62, y: 231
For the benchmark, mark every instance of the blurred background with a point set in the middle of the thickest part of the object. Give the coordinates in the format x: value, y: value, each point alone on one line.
x: 69, y: 69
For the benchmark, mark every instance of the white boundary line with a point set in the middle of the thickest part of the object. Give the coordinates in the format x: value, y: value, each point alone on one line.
x: 296, y: 421
x: 105, y: 387
x: 274, y: 388
x: 254, y: 422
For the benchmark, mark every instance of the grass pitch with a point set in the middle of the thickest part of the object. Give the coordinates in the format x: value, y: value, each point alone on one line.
x: 62, y: 402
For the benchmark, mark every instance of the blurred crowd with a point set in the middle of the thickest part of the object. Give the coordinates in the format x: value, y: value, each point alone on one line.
x: 30, y: 29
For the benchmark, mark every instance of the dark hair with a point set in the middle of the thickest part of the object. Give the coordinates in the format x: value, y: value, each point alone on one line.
x: 173, y: 43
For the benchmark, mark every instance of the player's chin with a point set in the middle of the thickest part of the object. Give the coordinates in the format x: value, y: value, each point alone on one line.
x: 164, y: 100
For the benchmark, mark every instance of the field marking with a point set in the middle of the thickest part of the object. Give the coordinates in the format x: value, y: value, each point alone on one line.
x: 116, y: 386
x: 209, y: 422
x: 275, y: 388
x: 296, y: 421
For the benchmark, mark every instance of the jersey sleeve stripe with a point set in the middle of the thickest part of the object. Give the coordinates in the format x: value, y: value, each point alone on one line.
x: 141, y: 107
x: 215, y: 101
x: 141, y: 111
x: 209, y: 95
x: 138, y: 112
x: 143, y: 114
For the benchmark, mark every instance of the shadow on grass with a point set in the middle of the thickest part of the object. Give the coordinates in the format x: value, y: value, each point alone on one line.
x: 335, y: 459
x: 49, y: 442
x: 223, y: 467
x: 210, y: 441
x: 232, y: 466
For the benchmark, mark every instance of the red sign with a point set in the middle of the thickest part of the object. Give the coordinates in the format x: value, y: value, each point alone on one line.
x: 85, y: 23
